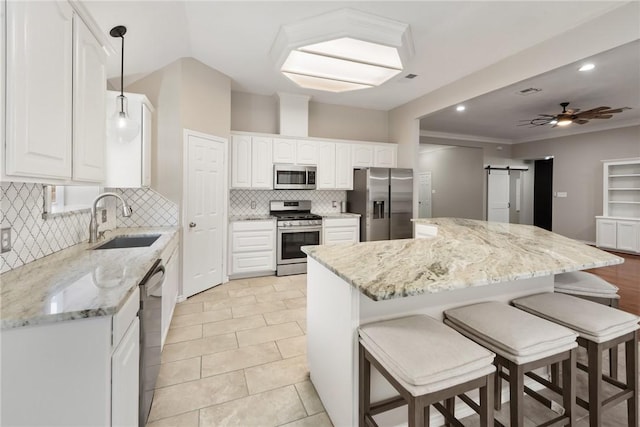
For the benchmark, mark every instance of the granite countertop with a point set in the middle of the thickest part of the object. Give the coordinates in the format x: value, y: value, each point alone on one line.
x: 77, y: 282
x: 251, y: 218
x: 338, y: 215
x: 464, y: 253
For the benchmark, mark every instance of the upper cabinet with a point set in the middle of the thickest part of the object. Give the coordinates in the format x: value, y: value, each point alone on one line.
x: 334, y: 166
x: 301, y: 152
x: 55, y: 127
x: 129, y: 165
x: 362, y: 155
x: 251, y: 166
x: 378, y: 155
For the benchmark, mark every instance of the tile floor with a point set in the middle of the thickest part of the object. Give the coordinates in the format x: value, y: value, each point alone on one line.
x: 235, y: 355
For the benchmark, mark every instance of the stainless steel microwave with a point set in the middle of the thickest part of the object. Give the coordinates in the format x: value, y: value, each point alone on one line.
x: 294, y: 177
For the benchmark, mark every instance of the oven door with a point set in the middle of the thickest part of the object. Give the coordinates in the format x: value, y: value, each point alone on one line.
x: 290, y: 240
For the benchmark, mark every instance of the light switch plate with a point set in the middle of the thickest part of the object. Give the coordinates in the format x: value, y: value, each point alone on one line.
x: 5, y: 240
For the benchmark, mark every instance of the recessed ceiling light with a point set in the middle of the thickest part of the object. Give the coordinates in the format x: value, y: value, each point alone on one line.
x: 461, y: 108
x: 587, y: 67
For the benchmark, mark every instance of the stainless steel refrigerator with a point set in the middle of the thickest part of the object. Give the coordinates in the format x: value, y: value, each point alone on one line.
x: 384, y: 199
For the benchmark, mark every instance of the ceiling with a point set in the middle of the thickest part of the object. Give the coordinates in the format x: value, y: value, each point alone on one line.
x: 496, y: 116
x: 452, y: 39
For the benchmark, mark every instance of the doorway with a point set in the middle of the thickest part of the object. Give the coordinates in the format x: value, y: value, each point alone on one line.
x: 424, y: 194
x: 543, y: 194
x: 204, y: 213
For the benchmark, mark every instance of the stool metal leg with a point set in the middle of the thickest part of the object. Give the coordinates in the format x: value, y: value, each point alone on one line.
x: 450, y: 406
x: 613, y: 351
x: 631, y: 358
x: 569, y: 387
x: 418, y: 414
x: 594, y: 356
x: 486, y: 404
x: 364, y: 392
x: 516, y: 393
x: 497, y: 387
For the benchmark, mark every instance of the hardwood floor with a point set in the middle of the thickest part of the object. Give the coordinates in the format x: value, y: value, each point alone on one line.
x: 625, y: 276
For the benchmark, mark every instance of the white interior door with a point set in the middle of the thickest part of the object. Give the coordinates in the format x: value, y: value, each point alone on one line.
x: 498, y: 196
x: 203, y: 219
x: 424, y: 195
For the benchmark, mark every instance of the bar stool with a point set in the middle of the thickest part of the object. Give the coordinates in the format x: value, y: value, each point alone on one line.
x: 600, y: 328
x: 427, y: 363
x: 522, y: 342
x: 593, y: 288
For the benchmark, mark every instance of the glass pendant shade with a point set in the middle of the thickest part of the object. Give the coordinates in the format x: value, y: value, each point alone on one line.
x: 121, y: 127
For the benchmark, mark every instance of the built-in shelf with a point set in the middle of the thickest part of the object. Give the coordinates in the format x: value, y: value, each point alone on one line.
x: 624, y: 175
x: 624, y: 202
x: 624, y: 189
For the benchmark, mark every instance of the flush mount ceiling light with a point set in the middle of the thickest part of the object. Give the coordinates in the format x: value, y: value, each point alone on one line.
x: 342, y: 50
x: 461, y: 108
x: 587, y: 67
x: 121, y: 127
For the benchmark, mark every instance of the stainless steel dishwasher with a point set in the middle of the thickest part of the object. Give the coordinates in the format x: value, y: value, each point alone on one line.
x: 150, y: 336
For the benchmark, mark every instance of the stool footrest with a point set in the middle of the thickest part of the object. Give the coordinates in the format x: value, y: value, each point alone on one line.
x: 558, y: 421
x: 447, y: 416
x: 386, y: 405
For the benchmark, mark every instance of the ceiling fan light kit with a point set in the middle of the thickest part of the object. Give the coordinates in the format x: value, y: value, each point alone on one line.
x: 569, y: 116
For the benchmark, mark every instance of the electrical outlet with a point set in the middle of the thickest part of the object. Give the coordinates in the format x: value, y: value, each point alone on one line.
x: 334, y: 204
x: 253, y: 204
x: 104, y: 216
x: 5, y: 240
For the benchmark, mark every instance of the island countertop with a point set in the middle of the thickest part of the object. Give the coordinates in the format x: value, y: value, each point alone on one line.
x: 463, y: 253
x: 78, y: 282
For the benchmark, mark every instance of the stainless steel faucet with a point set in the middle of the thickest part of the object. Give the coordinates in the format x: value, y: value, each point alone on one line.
x: 93, y: 225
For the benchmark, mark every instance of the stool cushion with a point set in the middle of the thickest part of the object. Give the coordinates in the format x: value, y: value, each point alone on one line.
x: 512, y: 333
x: 593, y: 321
x: 586, y: 284
x: 423, y: 352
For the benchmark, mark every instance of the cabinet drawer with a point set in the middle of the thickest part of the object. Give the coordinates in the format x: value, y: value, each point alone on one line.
x: 341, y: 222
x: 253, y: 225
x: 340, y: 235
x: 123, y: 318
x: 252, y: 241
x: 249, y: 262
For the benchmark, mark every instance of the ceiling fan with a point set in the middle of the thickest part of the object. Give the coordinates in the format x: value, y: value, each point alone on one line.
x: 569, y: 116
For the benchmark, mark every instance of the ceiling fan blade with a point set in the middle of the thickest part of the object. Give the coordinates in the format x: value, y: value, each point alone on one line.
x: 594, y: 110
x: 617, y: 110
x: 581, y: 121
x: 603, y: 116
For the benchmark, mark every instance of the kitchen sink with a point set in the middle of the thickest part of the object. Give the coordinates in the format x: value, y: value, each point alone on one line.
x: 122, y: 242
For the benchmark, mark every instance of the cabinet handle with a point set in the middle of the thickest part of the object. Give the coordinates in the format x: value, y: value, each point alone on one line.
x: 192, y: 224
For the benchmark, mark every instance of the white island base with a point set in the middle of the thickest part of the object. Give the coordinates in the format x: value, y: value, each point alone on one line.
x: 335, y: 309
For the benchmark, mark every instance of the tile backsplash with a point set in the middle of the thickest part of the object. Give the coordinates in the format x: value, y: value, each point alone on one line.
x: 241, y: 201
x: 34, y: 237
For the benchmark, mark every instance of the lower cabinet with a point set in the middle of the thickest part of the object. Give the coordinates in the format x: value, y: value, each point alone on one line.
x: 252, y: 245
x: 340, y: 230
x: 81, y: 372
x: 619, y: 234
x: 424, y: 231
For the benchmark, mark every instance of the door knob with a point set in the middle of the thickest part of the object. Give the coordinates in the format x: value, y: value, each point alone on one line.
x: 192, y: 224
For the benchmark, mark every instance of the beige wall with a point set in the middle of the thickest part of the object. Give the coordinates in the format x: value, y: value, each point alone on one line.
x: 577, y: 170
x: 457, y: 176
x: 185, y: 94
x: 259, y: 113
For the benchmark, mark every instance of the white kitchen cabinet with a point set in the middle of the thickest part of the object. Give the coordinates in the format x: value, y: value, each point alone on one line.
x: 54, y: 116
x: 39, y: 97
x: 621, y: 188
x: 344, y: 167
x: 251, y: 166
x: 424, y: 231
x: 170, y: 287
x: 335, y: 171
x: 362, y: 155
x: 621, y: 234
x: 125, y: 364
x: 89, y: 87
x: 340, y: 230
x: 307, y: 152
x: 261, y: 166
x: 128, y: 165
x: 384, y: 155
x: 252, y: 245
x: 284, y: 150
x: 79, y: 372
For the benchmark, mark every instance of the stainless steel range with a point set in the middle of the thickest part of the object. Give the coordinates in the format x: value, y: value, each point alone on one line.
x: 296, y: 227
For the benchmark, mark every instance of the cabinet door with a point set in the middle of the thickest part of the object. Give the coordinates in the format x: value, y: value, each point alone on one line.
x: 606, y: 233
x: 89, y: 89
x: 125, y: 364
x: 362, y: 155
x: 240, y: 161
x: 284, y: 150
x: 262, y: 167
x: 146, y: 145
x: 307, y: 153
x: 344, y: 168
x: 385, y: 156
x: 251, y: 262
x: 326, y: 172
x: 627, y: 236
x: 38, y: 98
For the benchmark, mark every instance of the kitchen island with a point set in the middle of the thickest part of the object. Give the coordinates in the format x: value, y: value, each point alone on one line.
x: 458, y: 262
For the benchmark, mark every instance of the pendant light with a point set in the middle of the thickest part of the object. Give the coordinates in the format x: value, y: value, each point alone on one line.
x: 121, y: 126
